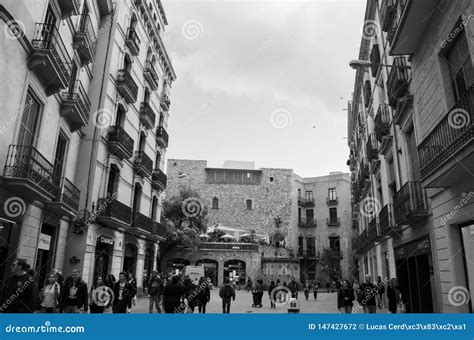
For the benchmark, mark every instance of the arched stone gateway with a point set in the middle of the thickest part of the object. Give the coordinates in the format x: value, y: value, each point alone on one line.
x: 211, y: 269
x: 235, y: 270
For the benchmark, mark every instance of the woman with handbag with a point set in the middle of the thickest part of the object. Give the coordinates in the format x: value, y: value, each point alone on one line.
x: 49, y: 295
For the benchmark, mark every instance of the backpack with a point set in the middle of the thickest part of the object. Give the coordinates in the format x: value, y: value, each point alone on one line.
x: 228, y: 293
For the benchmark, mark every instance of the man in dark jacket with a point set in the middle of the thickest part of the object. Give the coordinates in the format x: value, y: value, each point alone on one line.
x: 20, y: 290
x: 73, y: 294
x: 293, y: 286
x: 367, y: 296
x: 226, y: 293
x: 172, y: 294
x: 123, y: 294
x: 155, y: 290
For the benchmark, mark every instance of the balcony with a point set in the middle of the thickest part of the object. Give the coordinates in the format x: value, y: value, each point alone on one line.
x: 309, y: 203
x: 113, y: 213
x: 382, y: 122
x: 333, y: 222
x: 49, y: 59
x: 84, y: 40
x: 397, y: 83
x: 126, y: 86
x: 162, y: 137
x: 151, y: 76
x: 410, y: 204
x: 386, y: 220
x: 372, y: 148
x: 142, y: 164
x: 449, y: 145
x: 410, y: 23
x: 387, y: 14
x: 398, y: 8
x: 301, y: 201
x: 365, y: 169
x: 75, y: 106
x: 142, y: 223
x: 29, y: 174
x: 165, y: 100
x: 132, y: 41
x: 66, y: 202
x: 68, y: 8
x: 332, y: 200
x: 375, y: 59
x: 158, y: 180
x: 373, y: 233
x: 228, y: 246
x: 120, y: 143
x: 307, y: 223
x: 147, y: 116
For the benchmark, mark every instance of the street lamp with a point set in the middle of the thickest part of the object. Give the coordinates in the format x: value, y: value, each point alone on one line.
x: 179, y: 176
x: 356, y: 64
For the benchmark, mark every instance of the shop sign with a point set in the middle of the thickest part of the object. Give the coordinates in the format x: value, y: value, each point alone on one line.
x: 106, y: 240
x: 416, y: 248
x: 44, y: 242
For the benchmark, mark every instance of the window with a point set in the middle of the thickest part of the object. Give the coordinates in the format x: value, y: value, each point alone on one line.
x: 460, y: 67
x: 299, y: 215
x: 154, y: 209
x: 158, y: 160
x: 334, y: 243
x: 114, y: 177
x: 299, y: 193
x: 215, y: 203
x: 248, y: 203
x: 60, y: 156
x: 332, y: 194
x: 29, y: 121
x: 309, y: 215
x: 300, y: 245
x: 311, y: 246
x: 271, y: 178
x: 333, y: 215
x: 308, y: 196
x: 137, y: 195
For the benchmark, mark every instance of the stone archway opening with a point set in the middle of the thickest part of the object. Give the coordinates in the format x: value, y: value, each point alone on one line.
x: 211, y: 269
x: 235, y: 270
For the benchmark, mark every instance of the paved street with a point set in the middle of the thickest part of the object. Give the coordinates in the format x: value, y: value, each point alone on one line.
x: 326, y: 303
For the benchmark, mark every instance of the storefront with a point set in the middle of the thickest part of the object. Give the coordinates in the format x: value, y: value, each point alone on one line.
x: 7, y: 250
x: 46, y: 251
x: 415, y: 275
x: 467, y: 241
x: 103, y: 256
x: 130, y: 259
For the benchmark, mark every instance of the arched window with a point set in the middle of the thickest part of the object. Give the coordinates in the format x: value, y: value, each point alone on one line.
x: 215, y: 203
x: 127, y: 63
x: 142, y: 142
x: 114, y: 177
x: 157, y: 160
x: 154, y: 209
x: 137, y: 195
x: 162, y: 118
x: 146, y: 97
x: 249, y: 204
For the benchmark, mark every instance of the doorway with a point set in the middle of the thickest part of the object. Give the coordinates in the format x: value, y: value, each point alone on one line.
x: 45, y: 255
x: 130, y: 259
x: 103, y: 254
x: 210, y: 269
x: 235, y: 269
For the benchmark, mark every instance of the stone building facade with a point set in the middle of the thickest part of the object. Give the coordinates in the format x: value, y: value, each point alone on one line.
x: 252, y: 199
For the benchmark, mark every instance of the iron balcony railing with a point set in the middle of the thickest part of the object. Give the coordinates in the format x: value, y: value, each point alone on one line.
x: 397, y: 83
x: 68, y: 194
x: 375, y: 59
x: 386, y: 219
x: 84, y: 25
x: 409, y: 203
x: 126, y: 86
x: 120, y: 143
x: 303, y: 222
x: 143, y: 222
x: 25, y: 162
x: 301, y: 201
x: 332, y: 200
x: 372, y: 148
x: 147, y: 115
x: 165, y: 99
x: 333, y: 222
x: 399, y: 7
x: 162, y: 136
x: 77, y: 95
x: 143, y: 164
x: 47, y: 37
x: 309, y: 202
x: 159, y: 179
x: 151, y: 75
x: 387, y: 14
x: 382, y: 122
x: 451, y: 134
x: 113, y: 209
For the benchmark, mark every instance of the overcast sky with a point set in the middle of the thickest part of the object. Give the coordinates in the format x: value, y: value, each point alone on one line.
x: 262, y: 81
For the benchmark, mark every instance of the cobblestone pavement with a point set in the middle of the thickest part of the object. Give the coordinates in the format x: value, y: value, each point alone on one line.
x: 326, y: 303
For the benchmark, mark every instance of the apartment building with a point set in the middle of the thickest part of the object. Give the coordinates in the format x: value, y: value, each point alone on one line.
x: 411, y: 163
x: 295, y: 217
x: 46, y: 64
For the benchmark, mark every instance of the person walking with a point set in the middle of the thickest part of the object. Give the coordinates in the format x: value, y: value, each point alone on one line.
x: 293, y: 286
x: 172, y: 294
x: 226, y: 293
x: 98, y: 291
x: 393, y: 295
x: 21, y: 285
x: 124, y: 293
x: 204, y: 295
x: 133, y: 281
x: 367, y: 296
x: 259, y: 294
x: 155, y: 291
x: 49, y: 295
x: 315, y: 290
x: 249, y: 286
x: 328, y: 286
x: 73, y: 294
x: 380, y: 292
x: 271, y: 294
x: 345, y: 298
x: 306, y: 290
